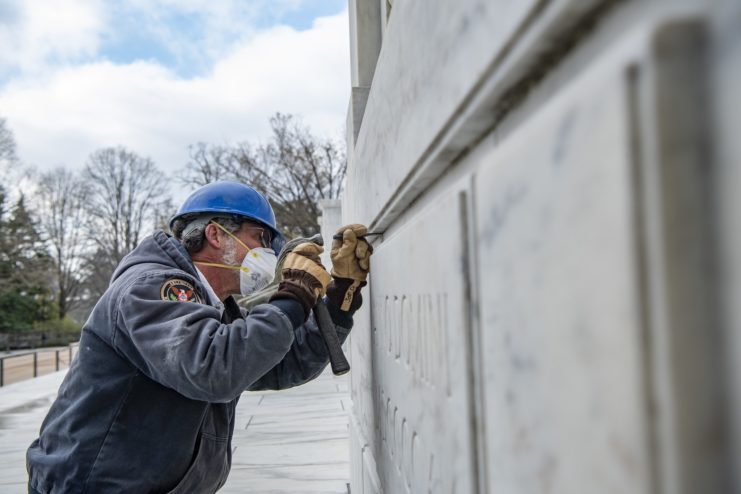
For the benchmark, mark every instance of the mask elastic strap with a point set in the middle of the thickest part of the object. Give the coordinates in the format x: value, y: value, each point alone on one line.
x: 219, y: 265
x: 231, y: 235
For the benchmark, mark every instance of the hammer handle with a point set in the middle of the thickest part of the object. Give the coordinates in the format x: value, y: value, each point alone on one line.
x: 337, y: 359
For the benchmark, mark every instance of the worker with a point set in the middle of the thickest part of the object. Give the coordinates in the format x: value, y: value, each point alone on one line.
x: 148, y: 404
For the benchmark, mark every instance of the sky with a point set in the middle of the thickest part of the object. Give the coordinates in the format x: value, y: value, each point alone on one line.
x: 156, y: 76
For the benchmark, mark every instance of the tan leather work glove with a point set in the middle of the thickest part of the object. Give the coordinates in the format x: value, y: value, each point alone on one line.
x: 303, y: 266
x: 304, y: 276
x: 350, y: 261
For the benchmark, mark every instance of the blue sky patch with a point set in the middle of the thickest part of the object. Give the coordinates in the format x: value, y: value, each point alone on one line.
x: 184, y: 42
x: 303, y: 17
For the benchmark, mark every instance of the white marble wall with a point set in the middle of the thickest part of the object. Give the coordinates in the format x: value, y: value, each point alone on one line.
x: 551, y: 307
x: 724, y: 75
x: 329, y: 222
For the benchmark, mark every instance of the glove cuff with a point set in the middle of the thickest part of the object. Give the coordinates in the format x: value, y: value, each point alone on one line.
x: 304, y: 280
x: 294, y: 291
x: 297, y: 262
x: 344, y: 293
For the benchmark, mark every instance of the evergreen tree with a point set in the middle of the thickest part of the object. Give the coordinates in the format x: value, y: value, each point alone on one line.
x: 25, y: 267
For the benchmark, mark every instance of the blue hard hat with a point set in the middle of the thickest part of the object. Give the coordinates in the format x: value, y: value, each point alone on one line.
x: 232, y: 199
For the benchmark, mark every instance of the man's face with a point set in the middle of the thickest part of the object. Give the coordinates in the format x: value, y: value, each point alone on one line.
x: 253, y: 236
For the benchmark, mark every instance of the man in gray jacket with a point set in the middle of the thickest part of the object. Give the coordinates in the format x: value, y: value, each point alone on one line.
x: 149, y: 403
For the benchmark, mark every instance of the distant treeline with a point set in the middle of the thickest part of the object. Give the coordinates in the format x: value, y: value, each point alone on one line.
x: 62, y: 232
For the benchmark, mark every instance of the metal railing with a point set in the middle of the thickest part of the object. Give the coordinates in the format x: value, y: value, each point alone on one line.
x: 27, y: 365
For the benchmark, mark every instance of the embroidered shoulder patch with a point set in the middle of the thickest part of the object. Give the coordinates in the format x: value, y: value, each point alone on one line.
x: 177, y: 290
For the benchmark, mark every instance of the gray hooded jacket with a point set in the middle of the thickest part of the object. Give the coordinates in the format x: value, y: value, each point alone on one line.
x: 148, y: 404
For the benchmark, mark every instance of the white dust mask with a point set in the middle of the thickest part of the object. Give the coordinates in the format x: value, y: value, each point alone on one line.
x: 257, y: 271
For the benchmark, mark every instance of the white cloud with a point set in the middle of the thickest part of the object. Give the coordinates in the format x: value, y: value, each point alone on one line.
x: 36, y: 32
x: 177, y: 26
x: 149, y: 109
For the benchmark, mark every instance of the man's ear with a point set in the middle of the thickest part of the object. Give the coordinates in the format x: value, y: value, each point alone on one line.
x: 211, y: 234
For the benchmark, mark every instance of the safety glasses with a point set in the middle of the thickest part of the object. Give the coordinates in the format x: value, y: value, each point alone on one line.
x: 266, y: 236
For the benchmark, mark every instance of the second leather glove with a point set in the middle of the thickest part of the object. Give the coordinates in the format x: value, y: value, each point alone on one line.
x: 351, y: 260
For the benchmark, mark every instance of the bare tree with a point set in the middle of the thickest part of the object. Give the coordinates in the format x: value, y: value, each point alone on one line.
x: 295, y: 170
x: 126, y: 194
x: 208, y: 163
x: 7, y: 144
x: 60, y: 199
x: 7, y: 158
x: 11, y: 169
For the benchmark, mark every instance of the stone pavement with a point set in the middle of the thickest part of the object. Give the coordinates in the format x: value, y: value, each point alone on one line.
x: 23, y: 406
x: 293, y: 441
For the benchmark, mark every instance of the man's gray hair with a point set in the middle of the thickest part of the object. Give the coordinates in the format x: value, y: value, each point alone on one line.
x: 190, y: 230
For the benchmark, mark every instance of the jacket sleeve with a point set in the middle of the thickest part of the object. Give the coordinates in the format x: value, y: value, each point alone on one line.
x: 184, y: 345
x: 306, y: 359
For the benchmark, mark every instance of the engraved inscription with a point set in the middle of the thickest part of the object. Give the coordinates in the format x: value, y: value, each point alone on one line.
x: 412, y: 331
x: 412, y: 461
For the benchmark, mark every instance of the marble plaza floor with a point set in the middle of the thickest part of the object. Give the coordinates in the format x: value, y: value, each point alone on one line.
x: 293, y: 441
